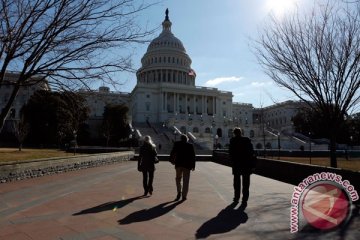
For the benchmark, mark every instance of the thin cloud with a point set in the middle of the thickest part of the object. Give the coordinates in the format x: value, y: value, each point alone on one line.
x: 220, y: 80
x: 261, y: 84
x: 239, y: 94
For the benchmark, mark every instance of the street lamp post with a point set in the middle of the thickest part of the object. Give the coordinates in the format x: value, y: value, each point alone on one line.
x: 310, y: 146
x: 75, y: 143
x: 216, y: 141
x: 351, y: 148
x: 279, y: 146
x: 175, y: 133
x: 130, y: 139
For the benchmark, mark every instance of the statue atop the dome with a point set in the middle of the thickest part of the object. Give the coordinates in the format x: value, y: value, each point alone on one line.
x: 167, y: 15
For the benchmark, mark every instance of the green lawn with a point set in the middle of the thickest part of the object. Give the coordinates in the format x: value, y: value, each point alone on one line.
x: 351, y: 164
x: 13, y: 154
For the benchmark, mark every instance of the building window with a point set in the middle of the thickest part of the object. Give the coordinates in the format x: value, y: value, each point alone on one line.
x: 252, y: 133
x: 147, y: 106
x: 147, y: 96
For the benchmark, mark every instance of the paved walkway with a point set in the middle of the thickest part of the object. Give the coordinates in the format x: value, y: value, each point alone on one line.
x: 106, y: 203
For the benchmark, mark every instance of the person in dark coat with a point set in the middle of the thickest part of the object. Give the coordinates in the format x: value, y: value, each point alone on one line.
x: 242, y: 157
x: 183, y: 157
x: 146, y: 164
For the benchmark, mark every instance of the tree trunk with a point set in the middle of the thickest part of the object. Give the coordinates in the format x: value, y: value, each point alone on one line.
x: 6, y: 109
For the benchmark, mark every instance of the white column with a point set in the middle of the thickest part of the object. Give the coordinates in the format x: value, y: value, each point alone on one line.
x: 214, y: 104
x: 162, y: 101
x: 205, y: 104
x: 174, y: 103
x: 202, y: 104
x: 177, y: 103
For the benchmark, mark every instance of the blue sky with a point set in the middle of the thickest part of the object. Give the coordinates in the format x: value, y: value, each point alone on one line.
x: 217, y: 36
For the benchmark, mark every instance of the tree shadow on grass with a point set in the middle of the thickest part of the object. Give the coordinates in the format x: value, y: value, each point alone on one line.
x: 227, y: 219
x: 148, y: 214
x: 108, y: 206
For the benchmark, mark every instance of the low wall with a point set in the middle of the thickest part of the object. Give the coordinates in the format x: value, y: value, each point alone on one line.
x: 165, y: 158
x: 306, y: 153
x: 289, y: 172
x: 37, y: 168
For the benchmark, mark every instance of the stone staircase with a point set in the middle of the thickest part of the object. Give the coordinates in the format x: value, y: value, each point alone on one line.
x: 165, y: 136
x: 159, y: 136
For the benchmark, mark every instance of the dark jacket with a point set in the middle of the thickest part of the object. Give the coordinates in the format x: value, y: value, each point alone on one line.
x: 184, y: 155
x: 242, y: 155
x: 147, y: 156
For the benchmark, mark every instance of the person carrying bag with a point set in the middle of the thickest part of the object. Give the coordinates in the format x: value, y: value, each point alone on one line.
x: 146, y: 164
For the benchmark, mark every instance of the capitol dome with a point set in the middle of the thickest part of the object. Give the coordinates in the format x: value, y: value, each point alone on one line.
x: 166, y: 40
x: 166, y: 60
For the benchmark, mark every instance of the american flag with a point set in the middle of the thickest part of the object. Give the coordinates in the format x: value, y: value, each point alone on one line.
x: 192, y: 72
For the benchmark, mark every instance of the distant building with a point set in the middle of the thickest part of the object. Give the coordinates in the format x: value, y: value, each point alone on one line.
x: 24, y: 94
x: 166, y: 97
x: 96, y: 102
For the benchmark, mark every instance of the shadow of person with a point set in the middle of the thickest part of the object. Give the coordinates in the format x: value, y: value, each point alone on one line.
x: 226, y: 220
x: 109, y: 206
x: 148, y: 214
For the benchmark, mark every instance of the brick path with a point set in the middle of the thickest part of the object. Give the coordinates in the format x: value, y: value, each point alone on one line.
x: 106, y: 203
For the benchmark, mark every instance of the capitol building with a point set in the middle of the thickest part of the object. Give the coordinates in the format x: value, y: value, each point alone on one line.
x: 166, y: 102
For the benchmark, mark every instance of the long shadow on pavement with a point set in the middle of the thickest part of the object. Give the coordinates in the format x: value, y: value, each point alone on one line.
x: 227, y: 219
x: 109, y: 206
x: 148, y: 214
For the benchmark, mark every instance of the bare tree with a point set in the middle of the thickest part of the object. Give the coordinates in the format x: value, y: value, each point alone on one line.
x: 68, y: 42
x: 21, y: 130
x: 316, y: 56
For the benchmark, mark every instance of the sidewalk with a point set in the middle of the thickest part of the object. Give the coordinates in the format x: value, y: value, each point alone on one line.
x: 106, y: 203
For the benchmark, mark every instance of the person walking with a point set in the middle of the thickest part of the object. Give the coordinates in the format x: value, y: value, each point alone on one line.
x: 183, y: 157
x: 242, y: 157
x: 146, y: 164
